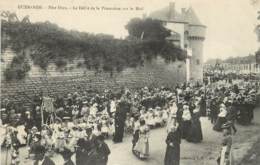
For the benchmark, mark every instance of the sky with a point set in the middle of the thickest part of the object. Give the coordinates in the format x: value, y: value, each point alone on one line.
x: 230, y: 23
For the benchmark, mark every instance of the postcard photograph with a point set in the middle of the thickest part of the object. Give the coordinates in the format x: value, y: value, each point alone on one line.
x: 122, y: 82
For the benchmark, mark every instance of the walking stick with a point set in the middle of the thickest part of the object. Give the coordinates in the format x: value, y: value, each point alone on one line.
x: 6, y: 157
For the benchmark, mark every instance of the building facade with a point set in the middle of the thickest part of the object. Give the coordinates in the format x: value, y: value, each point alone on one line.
x: 187, y: 32
x: 245, y: 68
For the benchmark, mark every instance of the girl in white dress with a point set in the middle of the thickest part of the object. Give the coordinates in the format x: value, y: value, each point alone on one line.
x: 150, y: 118
x: 141, y: 149
x: 104, y: 126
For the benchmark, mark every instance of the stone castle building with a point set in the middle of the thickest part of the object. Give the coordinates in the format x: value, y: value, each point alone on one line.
x: 188, y: 33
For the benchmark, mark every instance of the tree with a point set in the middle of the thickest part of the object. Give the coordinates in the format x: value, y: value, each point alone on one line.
x: 47, y: 43
x: 147, y: 29
x: 152, y: 35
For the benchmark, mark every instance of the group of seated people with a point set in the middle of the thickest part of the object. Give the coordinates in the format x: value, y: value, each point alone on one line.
x: 78, y: 113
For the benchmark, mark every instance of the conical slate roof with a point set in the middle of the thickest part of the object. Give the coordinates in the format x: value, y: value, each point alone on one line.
x: 169, y: 14
x: 191, y: 17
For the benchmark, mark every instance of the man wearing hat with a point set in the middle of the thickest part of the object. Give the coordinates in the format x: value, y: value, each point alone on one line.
x: 40, y: 157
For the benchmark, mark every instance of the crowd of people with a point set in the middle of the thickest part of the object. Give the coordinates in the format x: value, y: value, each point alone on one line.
x: 80, y: 122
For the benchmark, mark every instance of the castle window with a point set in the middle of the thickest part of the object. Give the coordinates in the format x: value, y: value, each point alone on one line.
x: 197, y: 61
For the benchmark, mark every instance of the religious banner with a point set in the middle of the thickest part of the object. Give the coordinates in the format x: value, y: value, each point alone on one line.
x: 47, y: 104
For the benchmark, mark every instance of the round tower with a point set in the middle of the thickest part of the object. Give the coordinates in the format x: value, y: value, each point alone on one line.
x: 195, y: 38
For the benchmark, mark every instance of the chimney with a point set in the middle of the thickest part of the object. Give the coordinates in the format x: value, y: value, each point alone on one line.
x: 171, y: 10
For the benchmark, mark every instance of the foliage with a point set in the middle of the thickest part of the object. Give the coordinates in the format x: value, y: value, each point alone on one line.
x: 153, y: 35
x: 47, y: 43
x: 147, y: 29
x: 17, y: 69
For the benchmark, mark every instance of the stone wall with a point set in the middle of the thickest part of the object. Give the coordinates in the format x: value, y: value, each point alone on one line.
x: 196, y: 67
x: 154, y: 73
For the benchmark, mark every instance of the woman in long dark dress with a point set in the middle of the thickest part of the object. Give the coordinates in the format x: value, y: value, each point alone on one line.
x: 195, y: 132
x: 203, y: 106
x: 173, y: 141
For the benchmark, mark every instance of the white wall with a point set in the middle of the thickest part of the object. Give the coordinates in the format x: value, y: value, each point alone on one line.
x: 179, y: 28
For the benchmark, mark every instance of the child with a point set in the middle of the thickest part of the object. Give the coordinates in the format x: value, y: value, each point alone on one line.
x: 22, y: 135
x: 158, y: 117
x: 225, y: 157
x: 60, y: 140
x: 47, y: 139
x: 150, y: 118
x: 96, y: 129
x: 104, y: 126
x: 128, y: 125
x: 30, y: 140
x: 112, y: 127
x: 164, y: 115
x: 15, y: 148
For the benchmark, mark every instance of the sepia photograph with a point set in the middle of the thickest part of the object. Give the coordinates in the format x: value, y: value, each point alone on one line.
x: 123, y: 82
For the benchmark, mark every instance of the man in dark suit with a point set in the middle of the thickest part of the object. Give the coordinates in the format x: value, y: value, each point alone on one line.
x: 122, y: 109
x: 66, y: 154
x: 40, y: 158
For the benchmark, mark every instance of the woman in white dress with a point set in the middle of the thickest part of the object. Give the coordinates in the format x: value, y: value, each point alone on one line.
x: 104, y: 126
x: 141, y: 149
